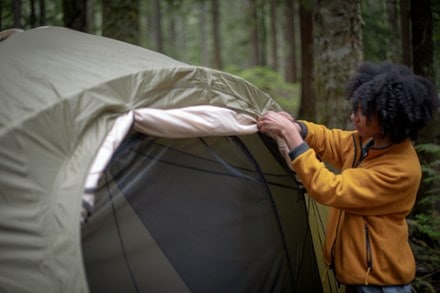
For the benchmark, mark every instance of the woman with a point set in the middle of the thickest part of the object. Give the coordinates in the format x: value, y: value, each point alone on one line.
x: 366, y: 240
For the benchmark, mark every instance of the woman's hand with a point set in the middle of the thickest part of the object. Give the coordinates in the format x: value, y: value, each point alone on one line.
x: 287, y: 115
x: 280, y: 124
x: 274, y: 123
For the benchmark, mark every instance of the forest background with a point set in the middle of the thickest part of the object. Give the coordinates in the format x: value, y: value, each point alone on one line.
x: 300, y: 52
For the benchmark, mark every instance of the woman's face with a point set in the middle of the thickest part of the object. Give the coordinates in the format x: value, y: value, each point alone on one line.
x: 366, y: 127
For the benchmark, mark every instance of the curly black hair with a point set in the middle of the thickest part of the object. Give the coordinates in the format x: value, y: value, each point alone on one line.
x: 403, y: 101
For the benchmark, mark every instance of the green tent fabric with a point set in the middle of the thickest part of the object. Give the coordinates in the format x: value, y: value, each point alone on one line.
x: 183, y: 193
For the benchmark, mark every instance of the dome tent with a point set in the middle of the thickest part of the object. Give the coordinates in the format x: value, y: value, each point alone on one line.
x: 184, y: 194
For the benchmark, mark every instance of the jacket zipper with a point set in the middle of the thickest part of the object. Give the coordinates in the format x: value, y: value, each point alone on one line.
x: 364, y: 153
x: 368, y: 253
x: 354, y: 164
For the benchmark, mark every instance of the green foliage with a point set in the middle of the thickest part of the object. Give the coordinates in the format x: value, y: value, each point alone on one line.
x: 426, y: 212
x: 436, y: 37
x: 53, y: 13
x: 375, y: 30
x: 272, y: 83
x: 428, y: 225
x: 424, y: 228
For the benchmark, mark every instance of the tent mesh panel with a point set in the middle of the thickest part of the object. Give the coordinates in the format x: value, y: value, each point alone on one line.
x: 222, y: 214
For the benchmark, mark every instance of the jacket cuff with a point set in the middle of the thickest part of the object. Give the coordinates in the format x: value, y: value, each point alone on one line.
x: 303, y: 129
x: 303, y: 147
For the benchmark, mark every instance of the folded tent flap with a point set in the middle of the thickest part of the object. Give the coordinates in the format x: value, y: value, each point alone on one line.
x: 194, y: 121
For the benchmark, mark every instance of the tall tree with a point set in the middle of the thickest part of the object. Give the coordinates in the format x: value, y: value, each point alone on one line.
x: 33, y: 16
x: 262, y: 32
x: 308, y: 107
x: 339, y: 52
x: 394, y: 40
x: 218, y: 60
x: 405, y: 32
x: 273, y: 32
x: 1, y: 14
x: 157, y: 25
x: 290, y: 70
x: 90, y: 15
x: 42, y: 12
x: 172, y: 36
x: 254, y: 43
x: 204, y: 39
x: 16, y: 13
x: 120, y: 20
x: 422, y: 38
x: 75, y: 14
x: 423, y: 56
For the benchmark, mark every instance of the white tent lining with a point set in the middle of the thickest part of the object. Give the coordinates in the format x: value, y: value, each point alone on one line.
x: 194, y: 121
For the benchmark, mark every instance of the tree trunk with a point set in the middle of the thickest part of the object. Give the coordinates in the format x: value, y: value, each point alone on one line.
x: 423, y: 60
x: 33, y: 17
x: 75, y: 14
x: 16, y: 13
x: 405, y: 32
x: 307, y: 108
x: 262, y: 32
x: 203, y: 24
x: 157, y: 26
x: 273, y: 29
x: 218, y: 61
x: 90, y: 12
x: 1, y: 13
x: 290, y: 70
x: 182, y: 38
x: 394, y: 43
x: 422, y: 38
x: 173, y: 37
x: 254, y: 40
x: 120, y: 20
x: 42, y: 12
x: 339, y: 53
x: 423, y: 57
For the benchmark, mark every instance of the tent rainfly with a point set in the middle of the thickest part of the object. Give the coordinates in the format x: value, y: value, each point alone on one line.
x: 123, y: 170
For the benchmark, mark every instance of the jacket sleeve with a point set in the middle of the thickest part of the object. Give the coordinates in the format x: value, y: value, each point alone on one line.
x: 365, y: 191
x: 331, y: 145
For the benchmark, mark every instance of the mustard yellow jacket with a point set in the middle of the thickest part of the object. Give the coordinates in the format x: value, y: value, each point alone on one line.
x: 367, y: 234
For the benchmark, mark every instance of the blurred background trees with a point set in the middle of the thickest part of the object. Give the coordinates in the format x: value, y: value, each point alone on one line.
x: 313, y: 45
x: 300, y: 52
